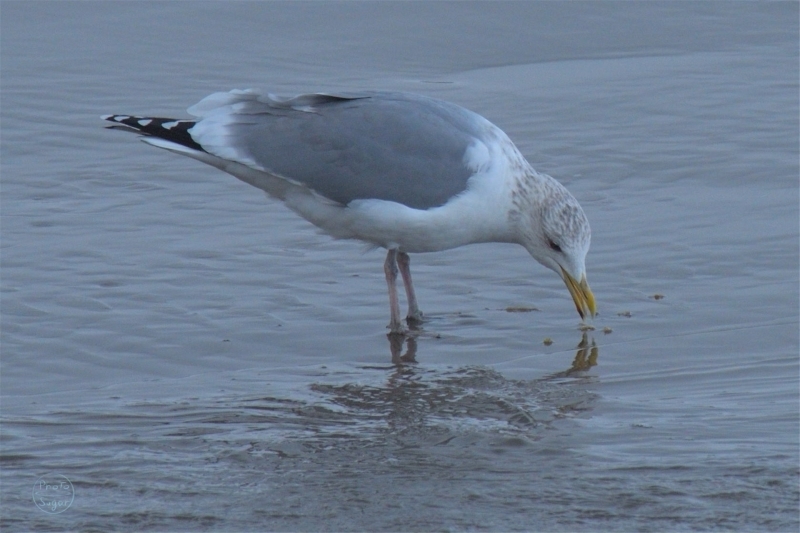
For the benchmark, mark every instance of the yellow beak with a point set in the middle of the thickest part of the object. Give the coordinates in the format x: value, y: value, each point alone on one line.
x: 581, y: 295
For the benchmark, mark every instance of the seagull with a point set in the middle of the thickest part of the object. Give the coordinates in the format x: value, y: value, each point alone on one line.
x: 394, y: 170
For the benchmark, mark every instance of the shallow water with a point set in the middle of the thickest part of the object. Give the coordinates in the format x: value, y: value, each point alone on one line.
x: 192, y: 356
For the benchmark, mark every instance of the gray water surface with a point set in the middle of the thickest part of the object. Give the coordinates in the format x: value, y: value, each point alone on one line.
x: 192, y: 356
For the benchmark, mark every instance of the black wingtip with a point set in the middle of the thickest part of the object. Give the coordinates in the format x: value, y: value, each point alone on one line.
x: 169, y: 129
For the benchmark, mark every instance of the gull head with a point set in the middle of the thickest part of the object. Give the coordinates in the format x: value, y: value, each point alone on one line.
x: 555, y: 231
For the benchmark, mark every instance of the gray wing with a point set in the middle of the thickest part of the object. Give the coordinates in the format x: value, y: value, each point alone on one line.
x: 390, y: 146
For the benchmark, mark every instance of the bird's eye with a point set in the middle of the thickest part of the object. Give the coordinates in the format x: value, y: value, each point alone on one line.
x: 553, y: 246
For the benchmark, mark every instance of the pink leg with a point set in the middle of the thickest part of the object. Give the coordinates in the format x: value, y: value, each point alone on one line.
x: 414, y: 314
x: 390, y: 269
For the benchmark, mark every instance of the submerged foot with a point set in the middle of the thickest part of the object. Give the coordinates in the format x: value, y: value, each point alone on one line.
x: 414, y: 319
x: 397, y: 328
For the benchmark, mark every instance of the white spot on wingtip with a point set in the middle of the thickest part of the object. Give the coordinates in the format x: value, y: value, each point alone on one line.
x: 145, y: 121
x: 170, y: 125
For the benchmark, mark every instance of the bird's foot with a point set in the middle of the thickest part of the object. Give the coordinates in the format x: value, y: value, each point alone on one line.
x: 410, y: 327
x: 414, y: 319
x: 397, y: 328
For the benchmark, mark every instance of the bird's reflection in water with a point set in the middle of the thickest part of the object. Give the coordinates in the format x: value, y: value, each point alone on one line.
x: 396, y: 341
x: 427, y: 403
x: 585, y: 357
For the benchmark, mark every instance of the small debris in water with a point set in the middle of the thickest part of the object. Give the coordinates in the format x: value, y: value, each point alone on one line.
x: 547, y: 341
x: 607, y: 330
x: 657, y: 296
x: 625, y: 313
x: 520, y: 309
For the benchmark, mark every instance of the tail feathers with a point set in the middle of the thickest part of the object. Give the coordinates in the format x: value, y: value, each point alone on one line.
x: 169, y: 129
